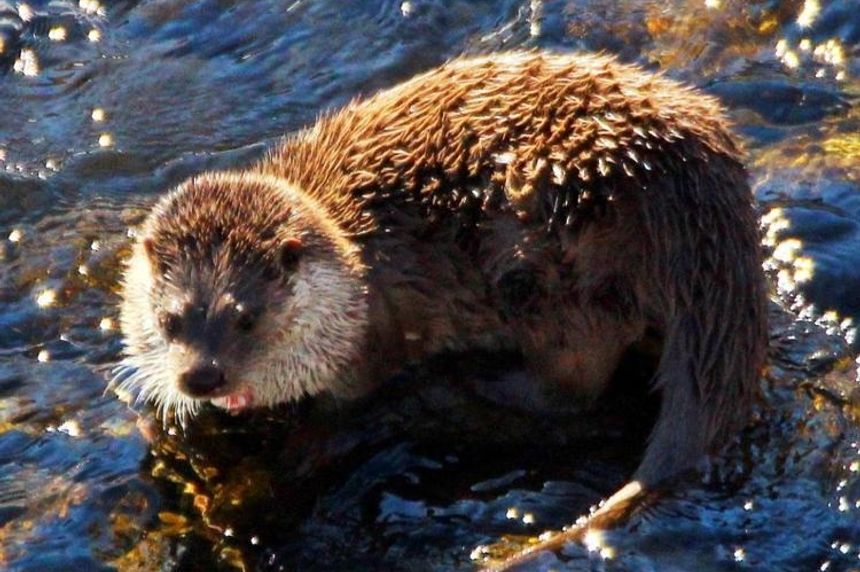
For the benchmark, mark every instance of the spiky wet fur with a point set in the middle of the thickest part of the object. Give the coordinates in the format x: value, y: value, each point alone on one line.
x: 564, y: 205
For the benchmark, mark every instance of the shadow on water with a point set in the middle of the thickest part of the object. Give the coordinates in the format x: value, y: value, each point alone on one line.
x: 106, y: 105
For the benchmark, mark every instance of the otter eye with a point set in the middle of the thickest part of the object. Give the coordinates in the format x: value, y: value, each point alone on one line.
x: 245, y: 322
x: 171, y: 324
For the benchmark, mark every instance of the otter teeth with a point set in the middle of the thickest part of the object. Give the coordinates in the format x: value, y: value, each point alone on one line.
x: 235, y: 401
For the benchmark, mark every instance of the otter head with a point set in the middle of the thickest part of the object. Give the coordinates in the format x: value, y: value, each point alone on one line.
x: 240, y: 292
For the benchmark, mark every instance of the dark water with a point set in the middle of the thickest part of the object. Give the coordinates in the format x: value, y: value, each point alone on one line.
x: 103, y: 106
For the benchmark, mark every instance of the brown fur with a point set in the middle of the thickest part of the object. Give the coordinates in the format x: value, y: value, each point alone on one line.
x: 562, y: 205
x: 620, y: 192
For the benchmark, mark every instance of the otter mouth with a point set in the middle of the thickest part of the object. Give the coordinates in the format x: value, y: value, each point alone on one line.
x: 235, y: 402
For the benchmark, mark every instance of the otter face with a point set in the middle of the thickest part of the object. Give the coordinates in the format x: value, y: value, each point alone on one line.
x: 210, y: 318
x: 239, y: 293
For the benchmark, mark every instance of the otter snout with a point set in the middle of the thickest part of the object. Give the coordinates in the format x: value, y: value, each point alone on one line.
x: 202, y: 380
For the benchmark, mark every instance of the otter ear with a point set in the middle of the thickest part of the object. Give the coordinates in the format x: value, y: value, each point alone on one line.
x: 290, y: 253
x: 157, y: 263
x: 149, y: 249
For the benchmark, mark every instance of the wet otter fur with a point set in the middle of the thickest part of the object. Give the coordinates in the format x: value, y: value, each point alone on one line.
x: 566, y: 206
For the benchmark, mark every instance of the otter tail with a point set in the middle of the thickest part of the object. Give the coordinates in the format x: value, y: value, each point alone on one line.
x: 715, y: 338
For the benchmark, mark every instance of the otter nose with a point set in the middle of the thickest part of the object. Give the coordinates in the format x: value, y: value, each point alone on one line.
x: 202, y: 380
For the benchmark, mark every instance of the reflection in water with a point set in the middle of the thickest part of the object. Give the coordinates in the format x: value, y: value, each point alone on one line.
x: 107, y: 105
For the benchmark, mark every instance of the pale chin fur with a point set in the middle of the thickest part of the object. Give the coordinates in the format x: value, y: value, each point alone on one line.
x: 321, y: 333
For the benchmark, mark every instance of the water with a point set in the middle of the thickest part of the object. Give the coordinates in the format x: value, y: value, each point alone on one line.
x: 104, y: 106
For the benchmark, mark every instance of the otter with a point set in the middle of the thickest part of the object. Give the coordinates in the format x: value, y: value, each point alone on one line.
x: 565, y: 206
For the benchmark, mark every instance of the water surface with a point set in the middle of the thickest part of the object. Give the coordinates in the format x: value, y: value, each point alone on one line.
x: 105, y: 106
